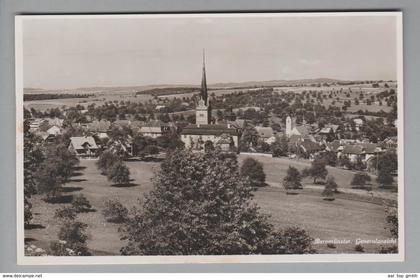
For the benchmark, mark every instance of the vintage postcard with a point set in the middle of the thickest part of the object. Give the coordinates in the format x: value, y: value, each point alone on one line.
x: 209, y: 138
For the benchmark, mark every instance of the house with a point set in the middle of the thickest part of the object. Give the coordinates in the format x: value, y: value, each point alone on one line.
x: 390, y: 143
x: 45, y: 136
x: 54, y: 130
x: 358, y: 123
x: 83, y: 146
x: 363, y: 151
x: 266, y: 134
x: 151, y: 131
x: 55, y: 121
x: 223, y: 135
x: 99, y: 128
x: 34, y: 124
x: 309, y: 148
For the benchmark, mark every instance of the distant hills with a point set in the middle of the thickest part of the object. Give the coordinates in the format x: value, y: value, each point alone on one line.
x: 246, y: 84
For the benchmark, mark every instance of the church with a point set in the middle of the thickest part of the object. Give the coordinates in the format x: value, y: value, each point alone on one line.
x: 196, y: 136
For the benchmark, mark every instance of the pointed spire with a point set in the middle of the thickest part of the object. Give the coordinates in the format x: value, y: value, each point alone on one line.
x: 203, y: 94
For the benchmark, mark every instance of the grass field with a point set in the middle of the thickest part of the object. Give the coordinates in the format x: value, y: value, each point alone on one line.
x: 344, y: 218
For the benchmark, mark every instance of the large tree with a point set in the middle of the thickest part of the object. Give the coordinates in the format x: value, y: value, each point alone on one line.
x: 201, y: 205
x: 118, y: 173
x: 55, y: 170
x: 280, y: 147
x: 254, y: 171
x: 317, y: 170
x: 292, y: 179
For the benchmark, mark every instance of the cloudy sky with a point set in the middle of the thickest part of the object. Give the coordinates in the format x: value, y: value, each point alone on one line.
x: 83, y: 52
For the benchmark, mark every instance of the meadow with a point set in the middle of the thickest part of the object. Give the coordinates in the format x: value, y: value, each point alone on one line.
x: 351, y: 215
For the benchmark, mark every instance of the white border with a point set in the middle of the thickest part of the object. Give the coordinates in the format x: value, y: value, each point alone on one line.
x: 312, y: 258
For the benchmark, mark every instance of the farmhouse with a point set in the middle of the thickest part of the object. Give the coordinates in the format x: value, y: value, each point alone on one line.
x: 54, y: 130
x: 83, y: 146
x: 363, y: 151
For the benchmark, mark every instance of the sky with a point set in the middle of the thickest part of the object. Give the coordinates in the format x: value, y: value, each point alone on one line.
x: 65, y: 52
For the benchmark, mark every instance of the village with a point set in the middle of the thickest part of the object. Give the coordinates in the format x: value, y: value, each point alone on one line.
x: 286, y: 140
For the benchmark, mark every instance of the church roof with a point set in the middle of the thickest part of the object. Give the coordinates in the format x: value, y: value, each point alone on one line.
x: 217, y: 130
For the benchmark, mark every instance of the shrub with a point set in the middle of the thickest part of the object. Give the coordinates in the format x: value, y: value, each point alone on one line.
x: 27, y: 211
x: 114, y: 211
x: 58, y: 248
x: 392, y: 220
x: 331, y: 184
x: 296, y: 241
x: 81, y: 204
x: 32, y: 250
x: 118, y: 173
x: 359, y: 248
x: 67, y: 213
x: 73, y: 233
x: 254, y: 170
x: 292, y: 180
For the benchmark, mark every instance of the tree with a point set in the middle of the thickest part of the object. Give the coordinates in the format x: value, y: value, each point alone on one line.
x: 331, y: 184
x: 201, y: 205
x: 292, y: 179
x: 317, y: 170
x: 392, y: 220
x: 81, y: 204
x: 106, y: 160
x: 280, y: 147
x: 73, y: 236
x: 249, y: 138
x: 254, y: 171
x: 360, y: 179
x: 387, y: 164
x: 32, y: 158
x: 48, y: 179
x: 114, y: 211
x: 119, y: 173
x: 209, y: 146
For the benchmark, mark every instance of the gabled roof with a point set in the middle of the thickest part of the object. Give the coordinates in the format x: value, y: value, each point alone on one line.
x: 303, y: 130
x: 365, y: 148
x: 216, y: 130
x: 54, y: 130
x: 79, y: 142
x: 310, y: 146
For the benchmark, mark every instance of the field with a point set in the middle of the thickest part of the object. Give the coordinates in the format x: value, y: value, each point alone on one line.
x: 100, y: 96
x: 350, y: 216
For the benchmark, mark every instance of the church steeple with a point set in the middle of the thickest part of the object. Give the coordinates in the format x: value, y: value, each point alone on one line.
x: 203, y: 109
x: 203, y: 91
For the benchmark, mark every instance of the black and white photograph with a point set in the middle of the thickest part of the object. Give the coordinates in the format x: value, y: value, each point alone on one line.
x: 209, y: 138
